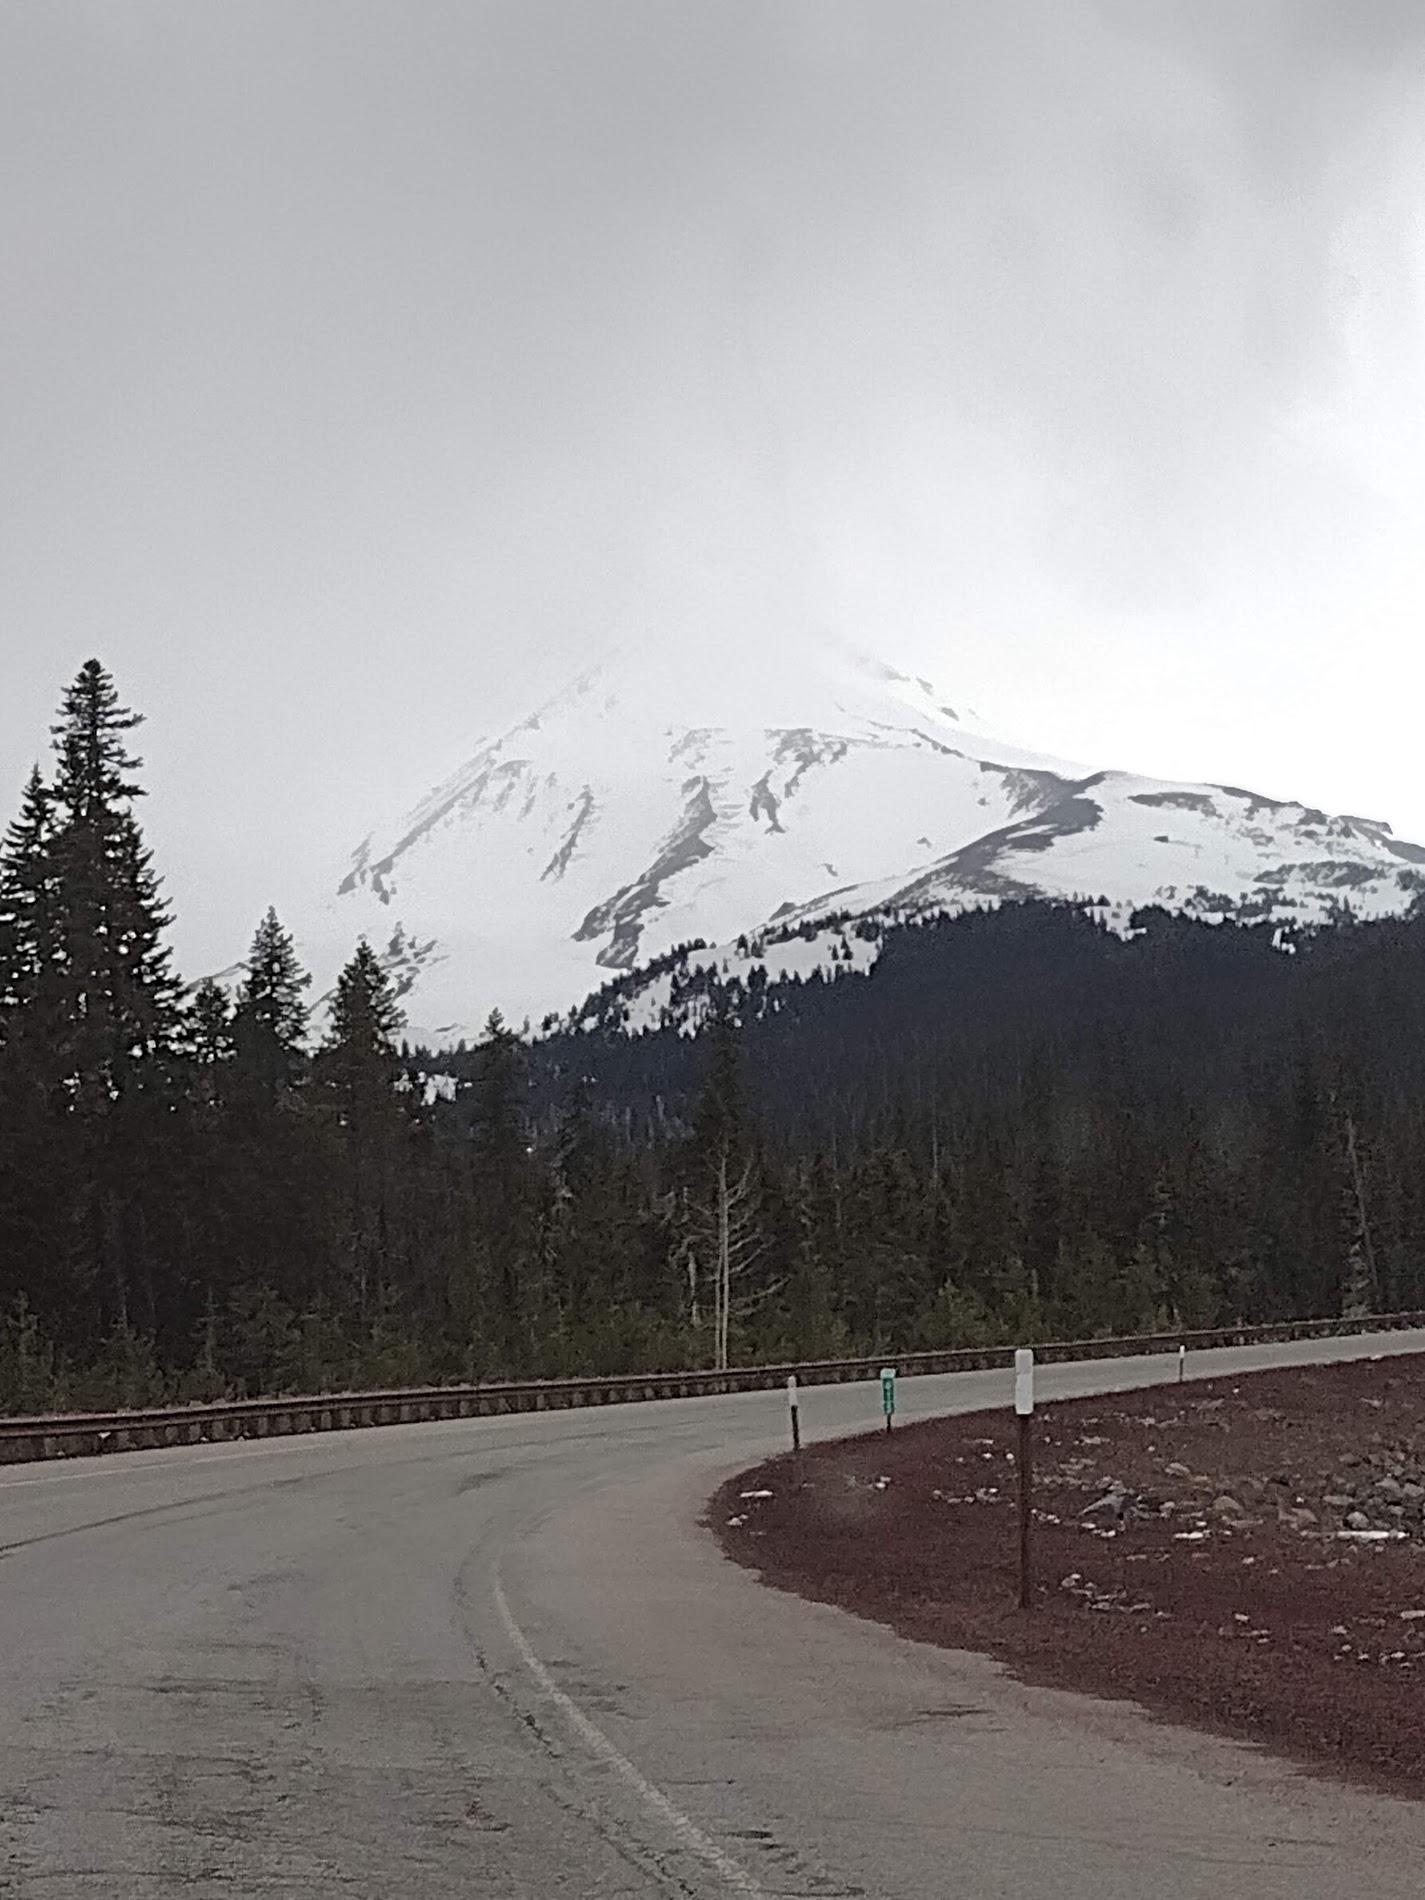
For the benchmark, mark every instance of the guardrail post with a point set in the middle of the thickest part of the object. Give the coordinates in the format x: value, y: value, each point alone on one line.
x: 1024, y: 1412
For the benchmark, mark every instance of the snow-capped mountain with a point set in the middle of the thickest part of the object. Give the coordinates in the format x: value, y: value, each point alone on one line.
x: 769, y: 796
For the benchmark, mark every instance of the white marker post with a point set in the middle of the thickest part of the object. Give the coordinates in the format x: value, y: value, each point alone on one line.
x: 1024, y: 1411
x: 1182, y: 1364
x: 888, y: 1394
x: 792, y: 1411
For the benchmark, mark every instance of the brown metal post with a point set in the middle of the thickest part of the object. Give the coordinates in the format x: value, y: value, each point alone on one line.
x: 1026, y: 1485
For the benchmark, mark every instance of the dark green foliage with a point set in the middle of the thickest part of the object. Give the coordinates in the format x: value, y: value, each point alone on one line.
x: 209, y: 1037
x: 1018, y: 1126
x: 269, y: 1022
x: 27, y: 902
x: 1072, y: 1132
x: 27, y: 1367
x: 109, y: 981
x: 91, y: 1016
x: 507, y: 1298
x: 359, y: 1061
x: 355, y: 1076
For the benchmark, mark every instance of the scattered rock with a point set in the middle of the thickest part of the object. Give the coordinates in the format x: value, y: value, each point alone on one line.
x: 1299, y: 1518
x: 1228, y: 1506
x: 1357, y: 1521
x: 1110, y: 1508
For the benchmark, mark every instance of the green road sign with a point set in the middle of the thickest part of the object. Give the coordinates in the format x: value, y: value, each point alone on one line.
x: 888, y: 1390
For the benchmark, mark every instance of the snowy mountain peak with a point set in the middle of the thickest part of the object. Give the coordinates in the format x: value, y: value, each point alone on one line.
x: 664, y: 796
x: 642, y: 705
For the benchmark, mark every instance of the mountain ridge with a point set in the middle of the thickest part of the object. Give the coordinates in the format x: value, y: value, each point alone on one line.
x: 653, y: 803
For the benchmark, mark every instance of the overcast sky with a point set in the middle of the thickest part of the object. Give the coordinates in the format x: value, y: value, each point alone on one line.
x: 364, y: 365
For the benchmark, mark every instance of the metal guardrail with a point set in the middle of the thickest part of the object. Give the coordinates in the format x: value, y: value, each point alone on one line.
x: 61, y: 1435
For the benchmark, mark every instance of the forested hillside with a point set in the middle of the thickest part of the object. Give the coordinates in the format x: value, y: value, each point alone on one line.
x: 1017, y: 1125
x: 1019, y: 1110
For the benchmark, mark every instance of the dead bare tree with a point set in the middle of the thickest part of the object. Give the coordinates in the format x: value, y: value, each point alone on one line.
x: 738, y: 1249
x: 718, y: 1237
x: 1360, y: 1290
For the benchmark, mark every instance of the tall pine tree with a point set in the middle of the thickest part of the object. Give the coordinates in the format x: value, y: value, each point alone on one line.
x: 270, y: 1019
x: 110, y: 981
x: 35, y: 1210
x: 357, y: 1069
x: 27, y: 901
x: 209, y: 1034
x: 506, y: 1186
x: 93, y: 1008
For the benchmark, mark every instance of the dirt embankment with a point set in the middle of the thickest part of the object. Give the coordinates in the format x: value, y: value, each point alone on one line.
x: 1244, y: 1554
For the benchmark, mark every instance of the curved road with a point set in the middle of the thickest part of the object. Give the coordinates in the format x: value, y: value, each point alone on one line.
x: 498, y: 1658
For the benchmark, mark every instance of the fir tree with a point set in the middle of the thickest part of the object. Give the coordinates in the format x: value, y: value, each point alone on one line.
x: 37, y: 1197
x: 27, y: 901
x: 210, y: 1028
x: 359, y: 1061
x: 270, y: 1019
x: 505, y: 1186
x: 110, y: 984
x: 721, y: 1124
x: 97, y: 1023
x: 604, y: 1279
x: 357, y: 1069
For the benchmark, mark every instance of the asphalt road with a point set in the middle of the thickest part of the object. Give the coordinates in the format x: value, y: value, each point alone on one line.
x: 500, y: 1658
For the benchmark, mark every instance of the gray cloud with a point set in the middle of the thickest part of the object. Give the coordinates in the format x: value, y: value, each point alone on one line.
x: 363, y: 357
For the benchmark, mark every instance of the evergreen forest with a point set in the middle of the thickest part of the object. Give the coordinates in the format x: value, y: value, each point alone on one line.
x: 1018, y: 1126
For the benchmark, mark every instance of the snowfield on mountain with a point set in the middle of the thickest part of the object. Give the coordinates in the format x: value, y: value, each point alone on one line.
x: 771, y: 797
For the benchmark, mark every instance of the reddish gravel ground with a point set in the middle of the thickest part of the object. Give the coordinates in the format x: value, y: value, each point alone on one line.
x: 1265, y: 1579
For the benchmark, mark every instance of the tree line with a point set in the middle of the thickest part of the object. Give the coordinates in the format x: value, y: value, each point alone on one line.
x: 1018, y: 1126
